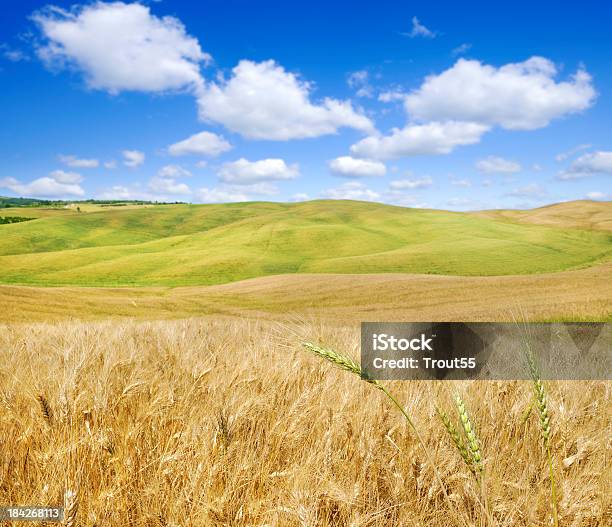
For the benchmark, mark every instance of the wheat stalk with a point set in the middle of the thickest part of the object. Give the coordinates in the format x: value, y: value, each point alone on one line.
x: 541, y: 404
x: 347, y: 364
x: 71, y: 505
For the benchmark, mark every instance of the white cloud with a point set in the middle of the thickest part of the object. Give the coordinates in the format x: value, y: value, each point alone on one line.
x: 419, y: 30
x: 121, y: 46
x: 596, y: 195
x: 263, y: 101
x: 300, y: 196
x: 220, y: 195
x: 233, y: 193
x: 14, y: 55
x: 391, y: 96
x: 62, y: 176
x: 133, y: 158
x: 497, y: 165
x: 588, y: 165
x: 465, y: 183
x: 520, y: 96
x: 461, y: 49
x: 117, y: 192
x: 243, y: 171
x: 168, y: 185
x: 360, y: 81
x: 75, y: 162
x: 351, y: 190
x: 533, y: 190
x: 201, y: 164
x: 398, y: 197
x: 202, y: 144
x: 430, y: 138
x: 173, y: 171
x: 412, y: 184
x: 58, y: 184
x: 569, y: 153
x: 347, y: 166
x: 165, y: 182
x: 112, y: 164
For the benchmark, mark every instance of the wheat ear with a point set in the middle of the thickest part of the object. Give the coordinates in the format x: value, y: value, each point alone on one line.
x: 542, y: 405
x: 470, y: 434
x: 457, y: 439
x: 45, y: 408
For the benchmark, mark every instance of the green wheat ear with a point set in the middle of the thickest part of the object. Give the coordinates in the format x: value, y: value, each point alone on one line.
x: 341, y: 361
x: 541, y: 403
x: 457, y: 439
x: 470, y: 434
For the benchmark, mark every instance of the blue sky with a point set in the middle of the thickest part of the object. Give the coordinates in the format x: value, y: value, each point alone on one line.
x: 455, y: 106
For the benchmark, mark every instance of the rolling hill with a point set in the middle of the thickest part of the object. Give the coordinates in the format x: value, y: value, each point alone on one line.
x: 172, y: 245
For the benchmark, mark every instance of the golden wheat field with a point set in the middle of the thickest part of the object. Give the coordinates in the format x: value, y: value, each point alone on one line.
x: 228, y: 422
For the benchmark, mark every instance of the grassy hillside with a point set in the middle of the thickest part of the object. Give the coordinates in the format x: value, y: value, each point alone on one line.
x: 582, y: 214
x: 215, y: 244
x: 582, y: 294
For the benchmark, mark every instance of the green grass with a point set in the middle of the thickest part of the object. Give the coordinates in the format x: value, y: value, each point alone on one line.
x: 212, y: 244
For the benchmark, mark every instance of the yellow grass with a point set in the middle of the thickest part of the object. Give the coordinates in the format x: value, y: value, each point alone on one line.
x: 570, y: 295
x: 582, y: 214
x: 216, y: 422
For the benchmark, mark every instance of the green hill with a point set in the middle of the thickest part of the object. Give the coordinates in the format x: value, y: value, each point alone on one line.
x: 212, y: 244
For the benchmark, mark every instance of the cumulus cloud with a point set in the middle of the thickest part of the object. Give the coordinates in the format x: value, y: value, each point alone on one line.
x: 497, y: 165
x: 569, y: 153
x: 519, y: 96
x: 61, y: 176
x: 263, y: 101
x: 117, y: 192
x: 202, y: 144
x: 412, y: 184
x: 112, y: 164
x: 351, y: 190
x: 533, y: 191
x: 347, y: 166
x: 57, y: 184
x: 75, y: 162
x: 360, y: 82
x: 430, y: 138
x: 120, y: 46
x: 165, y: 182
x: 587, y: 165
x: 596, y: 195
x: 419, y: 30
x: 391, y: 96
x: 219, y: 195
x: 173, y: 171
x: 233, y: 193
x: 13, y: 55
x: 244, y: 172
x: 166, y: 185
x: 465, y: 183
x: 133, y: 158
